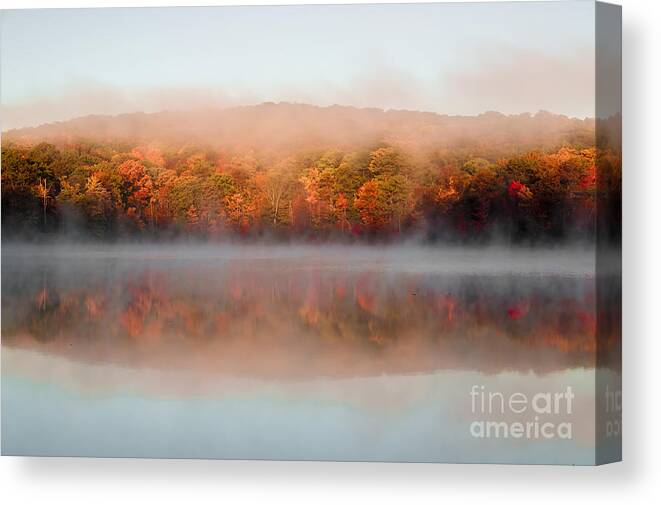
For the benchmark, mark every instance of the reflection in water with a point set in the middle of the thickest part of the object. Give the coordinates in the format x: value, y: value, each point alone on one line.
x: 296, y: 317
x: 293, y: 338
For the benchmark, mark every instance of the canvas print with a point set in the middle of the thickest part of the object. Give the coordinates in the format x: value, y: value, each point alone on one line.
x: 334, y: 232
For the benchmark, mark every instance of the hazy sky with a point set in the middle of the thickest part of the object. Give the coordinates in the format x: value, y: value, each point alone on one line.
x: 448, y: 58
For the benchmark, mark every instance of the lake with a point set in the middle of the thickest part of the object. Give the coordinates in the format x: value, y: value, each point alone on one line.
x: 294, y: 352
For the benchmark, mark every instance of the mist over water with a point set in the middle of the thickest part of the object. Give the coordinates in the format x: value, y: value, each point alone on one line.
x: 327, y: 342
x: 300, y: 311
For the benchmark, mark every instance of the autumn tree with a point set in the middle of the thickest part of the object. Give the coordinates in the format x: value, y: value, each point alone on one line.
x: 351, y: 173
x: 97, y: 206
x: 370, y: 203
x: 278, y: 185
x: 137, y: 192
x: 241, y: 210
x: 185, y: 194
x: 385, y: 161
x: 463, y: 192
x: 43, y: 190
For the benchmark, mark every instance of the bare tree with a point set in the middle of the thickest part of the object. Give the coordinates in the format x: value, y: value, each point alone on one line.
x: 278, y: 185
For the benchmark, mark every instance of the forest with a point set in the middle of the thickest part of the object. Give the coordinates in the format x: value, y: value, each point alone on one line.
x: 379, y: 185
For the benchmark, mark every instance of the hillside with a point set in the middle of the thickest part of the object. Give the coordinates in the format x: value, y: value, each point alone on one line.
x: 303, y: 172
x: 285, y: 125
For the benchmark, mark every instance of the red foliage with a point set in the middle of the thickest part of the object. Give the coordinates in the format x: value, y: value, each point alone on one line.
x: 514, y: 188
x: 518, y: 310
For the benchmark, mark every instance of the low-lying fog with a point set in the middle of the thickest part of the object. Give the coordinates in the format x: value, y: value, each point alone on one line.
x: 575, y: 260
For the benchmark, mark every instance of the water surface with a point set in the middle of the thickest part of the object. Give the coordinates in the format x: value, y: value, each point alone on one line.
x: 289, y: 352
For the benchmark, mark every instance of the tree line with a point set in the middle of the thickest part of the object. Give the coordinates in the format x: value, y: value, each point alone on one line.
x: 107, y: 190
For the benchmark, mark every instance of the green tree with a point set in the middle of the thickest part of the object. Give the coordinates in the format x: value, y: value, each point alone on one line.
x: 396, y: 193
x: 385, y: 161
x: 97, y: 207
x: 186, y: 192
x: 475, y: 165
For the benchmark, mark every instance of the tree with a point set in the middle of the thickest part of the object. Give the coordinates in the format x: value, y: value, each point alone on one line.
x: 385, y: 161
x: 475, y: 165
x: 192, y: 218
x: 340, y: 209
x: 29, y: 182
x: 483, y: 195
x: 240, y: 210
x: 396, y: 194
x: 185, y: 192
x: 220, y: 186
x: 43, y: 190
x: 217, y: 188
x: 137, y: 192
x: 278, y: 184
x: 371, y: 204
x: 318, y: 183
x: 534, y: 195
x: 351, y: 174
x: 519, y: 191
x: 97, y: 206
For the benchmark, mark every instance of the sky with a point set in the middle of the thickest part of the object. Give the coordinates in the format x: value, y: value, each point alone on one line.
x: 450, y: 58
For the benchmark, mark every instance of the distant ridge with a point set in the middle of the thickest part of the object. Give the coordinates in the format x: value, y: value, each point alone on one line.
x: 279, y: 125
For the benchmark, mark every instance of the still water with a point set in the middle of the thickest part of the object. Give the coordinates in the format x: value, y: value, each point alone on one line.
x: 291, y: 352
